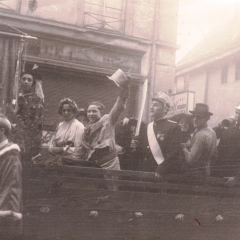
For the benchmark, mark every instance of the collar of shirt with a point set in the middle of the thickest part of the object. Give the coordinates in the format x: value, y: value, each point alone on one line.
x: 3, y: 143
x: 160, y: 120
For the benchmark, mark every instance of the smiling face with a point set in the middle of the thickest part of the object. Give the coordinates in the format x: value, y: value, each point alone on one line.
x: 184, y: 124
x: 93, y: 113
x: 157, y: 109
x: 26, y: 83
x: 67, y: 112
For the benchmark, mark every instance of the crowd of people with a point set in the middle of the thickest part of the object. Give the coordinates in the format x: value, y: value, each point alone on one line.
x: 181, y: 144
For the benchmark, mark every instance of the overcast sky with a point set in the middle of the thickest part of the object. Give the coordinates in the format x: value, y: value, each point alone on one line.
x: 198, y: 17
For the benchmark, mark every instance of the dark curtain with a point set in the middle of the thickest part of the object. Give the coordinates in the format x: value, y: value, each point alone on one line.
x: 8, y: 54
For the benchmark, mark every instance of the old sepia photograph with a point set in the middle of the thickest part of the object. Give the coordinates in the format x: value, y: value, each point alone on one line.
x: 119, y: 119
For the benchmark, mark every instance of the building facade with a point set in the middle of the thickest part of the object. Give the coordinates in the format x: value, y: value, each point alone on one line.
x: 80, y: 42
x: 212, y: 71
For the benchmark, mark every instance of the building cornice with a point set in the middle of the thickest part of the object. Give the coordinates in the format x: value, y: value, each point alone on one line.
x: 193, y: 65
x: 77, y: 33
x: 70, y: 32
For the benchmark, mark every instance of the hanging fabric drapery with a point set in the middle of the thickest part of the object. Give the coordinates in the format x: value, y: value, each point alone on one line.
x: 17, y: 73
x: 8, y: 48
x: 9, y: 75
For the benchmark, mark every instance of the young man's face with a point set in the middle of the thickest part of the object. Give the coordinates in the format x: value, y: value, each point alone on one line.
x: 157, y: 109
x: 26, y: 82
x: 93, y: 113
x: 199, y: 121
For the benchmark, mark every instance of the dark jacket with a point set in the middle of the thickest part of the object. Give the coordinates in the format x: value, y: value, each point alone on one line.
x: 129, y: 159
x: 228, y: 151
x: 168, y: 135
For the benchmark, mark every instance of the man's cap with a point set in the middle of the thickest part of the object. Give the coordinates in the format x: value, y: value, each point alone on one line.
x: 163, y: 97
x: 4, y: 122
x: 201, y: 109
x: 81, y: 111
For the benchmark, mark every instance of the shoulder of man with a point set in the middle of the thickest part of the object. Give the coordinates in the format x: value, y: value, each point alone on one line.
x: 10, y: 149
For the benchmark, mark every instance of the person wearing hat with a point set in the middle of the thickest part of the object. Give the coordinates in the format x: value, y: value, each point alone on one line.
x: 229, y: 147
x: 30, y: 114
x: 82, y: 116
x: 185, y: 121
x: 98, y: 140
x: 163, y: 139
x: 202, y: 149
x: 10, y: 184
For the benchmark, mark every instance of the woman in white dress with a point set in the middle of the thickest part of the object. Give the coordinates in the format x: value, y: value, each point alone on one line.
x: 68, y: 135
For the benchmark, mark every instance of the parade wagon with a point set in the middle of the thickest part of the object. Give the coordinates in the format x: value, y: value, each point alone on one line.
x: 72, y: 202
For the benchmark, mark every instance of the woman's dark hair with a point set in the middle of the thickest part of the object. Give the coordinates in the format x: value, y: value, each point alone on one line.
x: 30, y: 73
x: 189, y: 120
x: 184, y: 116
x: 99, y: 105
x: 70, y: 102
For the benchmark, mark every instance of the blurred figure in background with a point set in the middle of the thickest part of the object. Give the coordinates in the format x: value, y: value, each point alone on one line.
x: 82, y: 116
x: 125, y: 131
x: 199, y: 153
x: 185, y: 121
x: 229, y: 147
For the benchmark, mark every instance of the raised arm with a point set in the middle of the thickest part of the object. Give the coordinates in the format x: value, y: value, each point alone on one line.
x: 119, y: 106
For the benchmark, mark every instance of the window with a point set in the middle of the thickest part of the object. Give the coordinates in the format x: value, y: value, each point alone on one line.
x: 237, y: 70
x: 181, y: 84
x: 224, y: 74
x: 105, y: 14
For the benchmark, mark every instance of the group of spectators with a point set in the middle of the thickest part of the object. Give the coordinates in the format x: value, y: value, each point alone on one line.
x: 184, y: 143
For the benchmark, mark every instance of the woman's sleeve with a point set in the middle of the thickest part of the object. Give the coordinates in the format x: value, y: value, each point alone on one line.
x: 53, y: 144
x: 119, y: 106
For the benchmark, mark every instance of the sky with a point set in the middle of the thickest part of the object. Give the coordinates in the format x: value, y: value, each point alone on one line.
x: 197, y: 17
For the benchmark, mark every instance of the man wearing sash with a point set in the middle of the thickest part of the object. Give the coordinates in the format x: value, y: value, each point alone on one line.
x: 163, y: 141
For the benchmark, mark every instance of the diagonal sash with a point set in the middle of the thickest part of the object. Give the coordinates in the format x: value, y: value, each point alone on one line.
x: 154, y: 145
